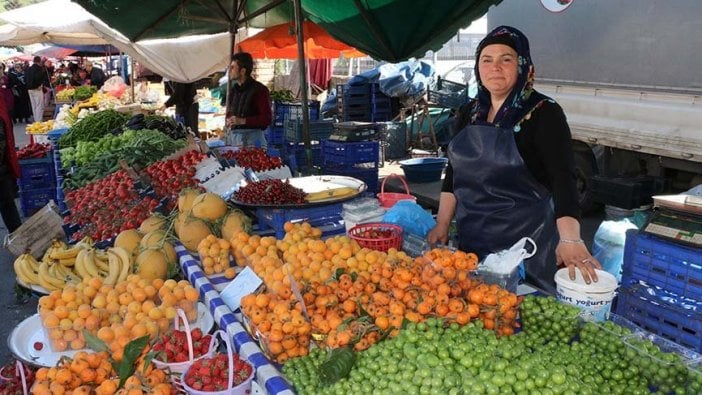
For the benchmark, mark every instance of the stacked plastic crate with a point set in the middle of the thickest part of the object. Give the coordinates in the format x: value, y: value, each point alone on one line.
x: 358, y: 159
x: 275, y: 134
x: 661, y: 288
x: 294, y: 150
x: 326, y: 217
x: 37, y: 183
x: 54, y: 136
x: 364, y: 103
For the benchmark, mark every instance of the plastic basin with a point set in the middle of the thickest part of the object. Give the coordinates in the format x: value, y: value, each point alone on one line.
x: 422, y: 170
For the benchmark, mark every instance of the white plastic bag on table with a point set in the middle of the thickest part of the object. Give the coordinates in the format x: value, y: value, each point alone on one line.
x: 608, y: 245
x: 503, y: 262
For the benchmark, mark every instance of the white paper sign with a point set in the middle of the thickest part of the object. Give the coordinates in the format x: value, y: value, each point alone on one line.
x: 244, y: 283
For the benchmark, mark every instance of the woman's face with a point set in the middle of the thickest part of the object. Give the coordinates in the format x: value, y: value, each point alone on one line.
x: 498, y: 69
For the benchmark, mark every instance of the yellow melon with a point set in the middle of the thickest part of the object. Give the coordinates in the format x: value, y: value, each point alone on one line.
x: 186, y: 197
x: 153, y: 239
x: 234, y: 222
x: 152, y: 264
x: 178, y: 221
x: 129, y: 240
x: 192, y: 231
x: 170, y: 253
x: 209, y: 206
x: 154, y: 222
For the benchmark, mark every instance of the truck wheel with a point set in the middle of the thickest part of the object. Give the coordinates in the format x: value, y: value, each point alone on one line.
x: 585, y: 168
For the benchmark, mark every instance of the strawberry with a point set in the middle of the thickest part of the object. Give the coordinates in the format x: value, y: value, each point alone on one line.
x: 196, y: 334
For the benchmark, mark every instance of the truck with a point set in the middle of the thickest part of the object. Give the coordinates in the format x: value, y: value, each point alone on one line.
x: 627, y: 74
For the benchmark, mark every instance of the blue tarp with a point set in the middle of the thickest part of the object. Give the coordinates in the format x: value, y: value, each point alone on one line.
x: 402, y: 79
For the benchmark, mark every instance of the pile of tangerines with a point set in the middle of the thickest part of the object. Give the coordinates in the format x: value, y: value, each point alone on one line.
x: 335, y: 292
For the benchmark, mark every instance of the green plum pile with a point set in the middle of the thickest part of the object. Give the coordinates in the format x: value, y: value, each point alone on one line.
x: 549, y: 320
x: 432, y: 358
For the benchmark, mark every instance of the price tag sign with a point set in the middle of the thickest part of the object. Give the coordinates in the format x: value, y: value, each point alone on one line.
x: 246, y: 282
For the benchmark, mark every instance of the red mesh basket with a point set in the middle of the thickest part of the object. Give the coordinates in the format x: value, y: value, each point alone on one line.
x: 388, y: 199
x: 363, y: 234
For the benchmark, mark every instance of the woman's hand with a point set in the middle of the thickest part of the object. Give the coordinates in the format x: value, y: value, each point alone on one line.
x: 575, y: 254
x: 439, y: 234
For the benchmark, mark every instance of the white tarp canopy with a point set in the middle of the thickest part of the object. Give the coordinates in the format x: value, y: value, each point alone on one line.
x: 184, y: 59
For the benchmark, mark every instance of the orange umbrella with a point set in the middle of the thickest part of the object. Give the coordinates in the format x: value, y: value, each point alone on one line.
x: 279, y: 42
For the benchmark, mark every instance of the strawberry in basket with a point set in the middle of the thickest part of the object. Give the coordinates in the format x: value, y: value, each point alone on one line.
x: 173, y: 346
x: 212, y: 374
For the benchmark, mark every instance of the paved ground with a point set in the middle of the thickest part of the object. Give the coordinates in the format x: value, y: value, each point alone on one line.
x: 13, y: 311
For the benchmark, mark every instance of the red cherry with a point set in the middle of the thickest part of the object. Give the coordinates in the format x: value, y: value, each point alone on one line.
x: 38, y: 346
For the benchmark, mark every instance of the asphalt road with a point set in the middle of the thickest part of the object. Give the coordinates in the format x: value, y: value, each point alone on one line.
x: 16, y: 307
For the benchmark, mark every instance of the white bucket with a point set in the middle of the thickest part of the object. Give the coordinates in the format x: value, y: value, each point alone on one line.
x: 595, y: 299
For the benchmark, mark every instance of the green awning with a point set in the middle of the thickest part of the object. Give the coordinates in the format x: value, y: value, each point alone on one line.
x: 391, y: 30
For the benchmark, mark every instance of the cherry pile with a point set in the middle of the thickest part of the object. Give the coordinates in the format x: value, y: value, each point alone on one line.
x: 256, y: 159
x: 272, y: 191
x: 169, y: 177
x: 34, y: 151
x: 108, y: 206
x: 212, y: 374
x: 173, y: 346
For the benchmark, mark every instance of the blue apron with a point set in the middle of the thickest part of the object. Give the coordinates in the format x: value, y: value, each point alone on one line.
x: 498, y: 200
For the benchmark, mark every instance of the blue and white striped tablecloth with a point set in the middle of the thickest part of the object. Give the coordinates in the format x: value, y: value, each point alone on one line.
x: 267, y: 376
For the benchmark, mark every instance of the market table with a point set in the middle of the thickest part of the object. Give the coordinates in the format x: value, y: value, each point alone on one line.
x: 267, y: 375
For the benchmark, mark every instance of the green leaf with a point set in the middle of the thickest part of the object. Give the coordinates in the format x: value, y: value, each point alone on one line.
x: 354, y: 276
x: 128, y: 364
x: 338, y: 273
x: 94, y: 343
x: 147, y: 360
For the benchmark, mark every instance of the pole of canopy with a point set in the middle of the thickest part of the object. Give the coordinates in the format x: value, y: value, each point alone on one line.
x: 131, y: 76
x: 303, y: 82
x: 232, y: 39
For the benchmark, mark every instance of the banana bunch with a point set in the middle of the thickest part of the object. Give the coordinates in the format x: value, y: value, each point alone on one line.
x: 50, y: 276
x: 112, y: 265
x: 40, y: 127
x: 61, y: 253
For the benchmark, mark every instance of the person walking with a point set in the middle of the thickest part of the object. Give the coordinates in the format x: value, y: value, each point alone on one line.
x: 249, y: 111
x: 22, y: 109
x: 36, y: 79
x: 184, y: 97
x: 9, y: 171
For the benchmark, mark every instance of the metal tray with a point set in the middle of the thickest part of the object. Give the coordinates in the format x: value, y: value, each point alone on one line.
x: 312, y: 184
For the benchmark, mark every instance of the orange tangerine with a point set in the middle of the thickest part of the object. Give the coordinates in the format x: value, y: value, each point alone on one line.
x: 106, y: 334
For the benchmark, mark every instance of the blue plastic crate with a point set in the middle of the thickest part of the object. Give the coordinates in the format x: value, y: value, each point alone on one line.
x: 366, y: 174
x: 275, y: 135
x: 661, y: 263
x: 319, y: 130
x: 354, y: 90
x: 36, y: 173
x: 284, y: 111
x: 381, y: 116
x: 351, y: 153
x: 296, y: 156
x: 275, y: 218
x: 673, y: 322
x: 32, y: 200
x: 55, y: 134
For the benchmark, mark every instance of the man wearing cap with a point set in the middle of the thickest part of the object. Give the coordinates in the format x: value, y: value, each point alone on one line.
x: 95, y: 75
x: 35, y: 79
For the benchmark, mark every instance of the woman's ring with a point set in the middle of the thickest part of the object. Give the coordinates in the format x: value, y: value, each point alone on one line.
x: 585, y: 260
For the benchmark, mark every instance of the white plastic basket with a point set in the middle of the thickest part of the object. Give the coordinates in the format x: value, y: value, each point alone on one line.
x: 181, y: 367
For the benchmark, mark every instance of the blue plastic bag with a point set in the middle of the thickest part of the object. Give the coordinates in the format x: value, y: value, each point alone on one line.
x: 411, y: 217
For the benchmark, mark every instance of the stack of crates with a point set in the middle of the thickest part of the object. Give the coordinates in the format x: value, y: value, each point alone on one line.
x: 365, y: 103
x: 294, y: 146
x: 37, y: 184
x: 661, y: 289
x: 275, y: 134
x: 358, y: 160
x: 54, y: 136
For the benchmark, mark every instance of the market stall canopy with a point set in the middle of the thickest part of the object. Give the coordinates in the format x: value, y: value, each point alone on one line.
x: 391, y: 30
x: 280, y: 42
x: 62, y: 22
x: 62, y: 51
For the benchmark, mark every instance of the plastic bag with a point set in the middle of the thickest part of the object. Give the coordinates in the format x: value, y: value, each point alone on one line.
x: 503, y: 262
x: 411, y: 217
x: 608, y: 245
x: 114, y: 86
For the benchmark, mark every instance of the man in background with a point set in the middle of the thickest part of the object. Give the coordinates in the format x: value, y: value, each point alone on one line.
x: 249, y: 111
x: 184, y: 97
x: 35, y: 79
x: 95, y: 75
